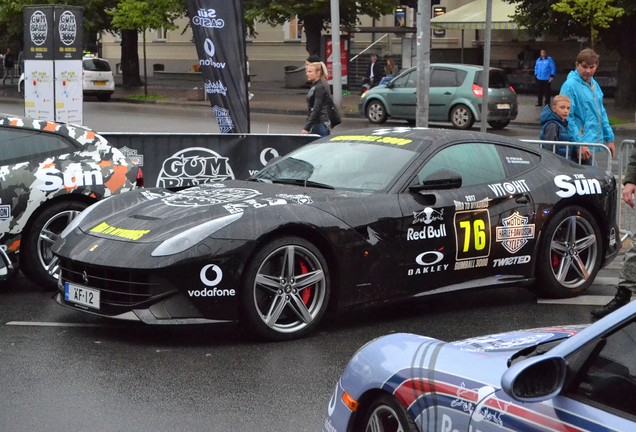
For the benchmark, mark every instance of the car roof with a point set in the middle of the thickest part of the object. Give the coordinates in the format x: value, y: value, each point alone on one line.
x: 416, y: 139
x: 466, y: 67
x: 68, y: 130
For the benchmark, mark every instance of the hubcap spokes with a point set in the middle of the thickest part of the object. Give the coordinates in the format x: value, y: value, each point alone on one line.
x: 575, y: 256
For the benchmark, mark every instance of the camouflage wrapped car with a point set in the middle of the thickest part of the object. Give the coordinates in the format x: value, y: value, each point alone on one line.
x: 49, y: 173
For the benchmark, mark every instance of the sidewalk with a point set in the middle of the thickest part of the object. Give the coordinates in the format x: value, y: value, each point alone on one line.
x: 274, y: 98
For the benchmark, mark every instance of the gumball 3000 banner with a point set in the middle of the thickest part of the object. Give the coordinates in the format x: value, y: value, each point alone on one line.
x: 219, y: 36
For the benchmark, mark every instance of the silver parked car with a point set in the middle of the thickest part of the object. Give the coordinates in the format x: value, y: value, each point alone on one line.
x: 455, y: 96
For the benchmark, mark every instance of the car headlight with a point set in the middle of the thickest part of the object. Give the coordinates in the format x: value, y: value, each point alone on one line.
x: 192, y: 236
x: 75, y: 222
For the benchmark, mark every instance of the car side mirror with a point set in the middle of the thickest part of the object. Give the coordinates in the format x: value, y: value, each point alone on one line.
x: 535, y: 379
x: 441, y: 179
x: 6, y: 268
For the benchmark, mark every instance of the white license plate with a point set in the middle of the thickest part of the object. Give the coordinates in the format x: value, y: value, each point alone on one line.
x: 503, y: 106
x: 81, y: 295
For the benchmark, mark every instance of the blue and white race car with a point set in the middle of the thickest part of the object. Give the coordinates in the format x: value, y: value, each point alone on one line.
x: 565, y: 378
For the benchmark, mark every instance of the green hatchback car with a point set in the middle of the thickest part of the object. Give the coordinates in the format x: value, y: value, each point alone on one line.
x: 455, y: 96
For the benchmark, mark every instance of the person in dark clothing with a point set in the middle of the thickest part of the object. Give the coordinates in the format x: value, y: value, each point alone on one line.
x: 318, y: 99
x: 554, y: 124
x: 374, y: 73
x: 8, y: 64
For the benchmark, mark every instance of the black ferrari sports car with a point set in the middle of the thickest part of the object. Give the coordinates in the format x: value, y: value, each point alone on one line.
x: 352, y: 219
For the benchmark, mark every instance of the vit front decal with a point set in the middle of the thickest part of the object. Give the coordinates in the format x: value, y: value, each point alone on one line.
x: 515, y: 232
x: 472, y: 238
x: 579, y: 185
x: 509, y: 188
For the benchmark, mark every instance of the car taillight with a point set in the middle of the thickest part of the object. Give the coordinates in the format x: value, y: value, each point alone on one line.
x: 140, y: 178
x: 513, y: 90
x: 478, y: 91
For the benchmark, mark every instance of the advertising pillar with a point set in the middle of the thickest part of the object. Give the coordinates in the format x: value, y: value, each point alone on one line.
x: 53, y: 39
x: 39, y: 99
x: 219, y: 36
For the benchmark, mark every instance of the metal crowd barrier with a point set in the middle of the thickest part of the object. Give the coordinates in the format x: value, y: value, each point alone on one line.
x: 615, y: 166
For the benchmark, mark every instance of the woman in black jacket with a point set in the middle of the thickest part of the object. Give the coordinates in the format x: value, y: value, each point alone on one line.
x: 318, y: 99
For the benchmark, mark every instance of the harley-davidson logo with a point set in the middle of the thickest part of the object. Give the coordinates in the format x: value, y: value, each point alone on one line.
x: 515, y: 232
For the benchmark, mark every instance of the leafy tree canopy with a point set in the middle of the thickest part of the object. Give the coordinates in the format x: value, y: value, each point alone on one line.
x: 315, y: 15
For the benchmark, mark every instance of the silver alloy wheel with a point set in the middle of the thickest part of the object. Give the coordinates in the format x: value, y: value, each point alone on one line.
x: 48, y: 235
x: 376, y: 112
x: 461, y: 117
x: 290, y: 289
x: 573, y: 251
x: 383, y: 419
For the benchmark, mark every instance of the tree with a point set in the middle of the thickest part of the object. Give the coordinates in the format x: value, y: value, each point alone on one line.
x: 133, y: 16
x: 539, y: 18
x: 593, y: 14
x: 314, y: 15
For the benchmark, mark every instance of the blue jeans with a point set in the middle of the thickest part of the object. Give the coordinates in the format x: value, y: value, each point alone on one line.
x: 319, y: 129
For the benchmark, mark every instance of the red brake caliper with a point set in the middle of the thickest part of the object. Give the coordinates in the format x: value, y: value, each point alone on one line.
x: 555, y: 261
x: 306, y: 294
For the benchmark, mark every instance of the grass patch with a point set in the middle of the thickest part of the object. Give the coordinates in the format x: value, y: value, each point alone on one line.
x: 614, y: 121
x: 144, y: 98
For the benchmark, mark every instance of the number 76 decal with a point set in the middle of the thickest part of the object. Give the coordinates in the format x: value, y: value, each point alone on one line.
x: 472, y: 234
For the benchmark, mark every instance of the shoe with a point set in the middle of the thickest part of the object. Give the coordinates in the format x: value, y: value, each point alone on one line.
x: 622, y: 297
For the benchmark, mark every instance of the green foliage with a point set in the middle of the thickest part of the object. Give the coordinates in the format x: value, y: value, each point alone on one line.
x: 592, y: 14
x: 148, y: 14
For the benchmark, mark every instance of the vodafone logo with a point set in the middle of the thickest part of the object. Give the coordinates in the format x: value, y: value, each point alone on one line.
x: 267, y: 155
x: 211, y: 270
x: 208, y: 46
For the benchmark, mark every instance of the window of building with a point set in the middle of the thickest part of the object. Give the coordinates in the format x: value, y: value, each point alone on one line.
x: 293, y: 30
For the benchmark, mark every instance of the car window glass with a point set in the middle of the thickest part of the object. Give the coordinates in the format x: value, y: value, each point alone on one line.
x: 497, y: 79
x: 95, y: 65
x: 518, y: 161
x: 406, y: 80
x: 23, y: 145
x: 476, y: 163
x: 609, y: 378
x: 447, y: 77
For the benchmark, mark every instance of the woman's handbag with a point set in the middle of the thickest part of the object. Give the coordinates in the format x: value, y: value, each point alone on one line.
x: 333, y: 114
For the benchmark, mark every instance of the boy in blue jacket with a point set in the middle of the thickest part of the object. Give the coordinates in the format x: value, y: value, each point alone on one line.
x: 554, y: 122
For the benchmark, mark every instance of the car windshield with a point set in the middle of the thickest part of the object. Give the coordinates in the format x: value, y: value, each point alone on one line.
x: 97, y: 65
x: 341, y: 165
x: 497, y: 79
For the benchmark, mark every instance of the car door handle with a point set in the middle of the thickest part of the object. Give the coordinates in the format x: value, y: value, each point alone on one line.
x: 522, y: 200
x: 447, y: 93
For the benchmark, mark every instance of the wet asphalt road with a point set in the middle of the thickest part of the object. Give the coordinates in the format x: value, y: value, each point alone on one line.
x: 66, y: 371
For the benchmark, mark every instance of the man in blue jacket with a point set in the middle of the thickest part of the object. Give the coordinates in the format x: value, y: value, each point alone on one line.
x: 588, y: 121
x: 544, y: 72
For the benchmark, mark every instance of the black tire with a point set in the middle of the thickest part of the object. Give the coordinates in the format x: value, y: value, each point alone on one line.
x: 569, y: 257
x: 385, y: 414
x: 462, y: 117
x: 498, y: 124
x: 37, y: 261
x: 376, y: 112
x: 283, y: 303
x: 103, y: 97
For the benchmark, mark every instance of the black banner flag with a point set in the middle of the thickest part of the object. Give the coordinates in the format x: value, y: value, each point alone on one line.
x: 219, y: 35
